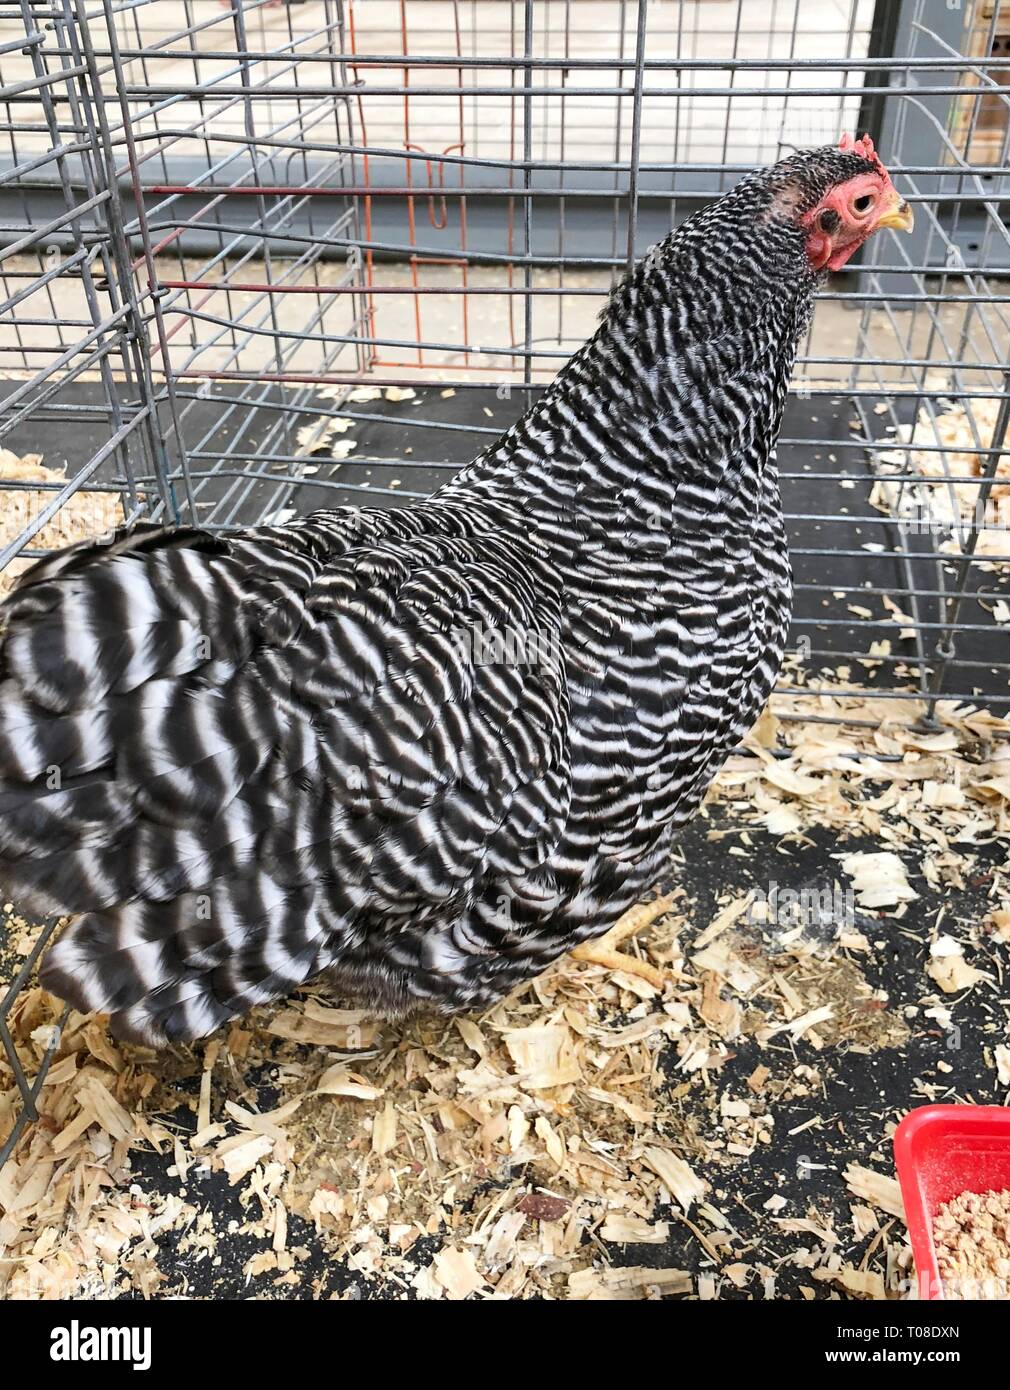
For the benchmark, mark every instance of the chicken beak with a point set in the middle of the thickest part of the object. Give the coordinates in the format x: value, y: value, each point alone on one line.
x: 898, y: 215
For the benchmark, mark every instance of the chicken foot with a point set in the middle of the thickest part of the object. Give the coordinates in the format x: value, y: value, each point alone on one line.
x: 603, y: 950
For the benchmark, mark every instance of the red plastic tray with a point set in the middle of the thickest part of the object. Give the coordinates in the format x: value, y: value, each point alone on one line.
x: 941, y: 1151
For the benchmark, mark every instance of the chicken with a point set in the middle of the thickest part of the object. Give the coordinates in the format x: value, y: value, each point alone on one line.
x: 427, y: 750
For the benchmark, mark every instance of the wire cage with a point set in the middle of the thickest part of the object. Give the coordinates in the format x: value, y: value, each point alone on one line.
x: 264, y: 256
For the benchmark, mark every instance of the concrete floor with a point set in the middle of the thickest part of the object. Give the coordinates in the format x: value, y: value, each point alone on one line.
x: 451, y: 326
x: 701, y: 123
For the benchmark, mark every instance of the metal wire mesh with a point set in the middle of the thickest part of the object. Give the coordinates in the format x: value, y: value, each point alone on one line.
x: 222, y: 221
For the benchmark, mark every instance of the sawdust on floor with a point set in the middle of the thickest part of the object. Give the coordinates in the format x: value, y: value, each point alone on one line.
x: 86, y: 515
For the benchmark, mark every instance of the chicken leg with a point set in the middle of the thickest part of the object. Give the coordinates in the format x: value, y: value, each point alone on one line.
x: 603, y: 950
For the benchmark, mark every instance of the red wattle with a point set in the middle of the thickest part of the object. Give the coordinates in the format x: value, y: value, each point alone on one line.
x: 819, y: 249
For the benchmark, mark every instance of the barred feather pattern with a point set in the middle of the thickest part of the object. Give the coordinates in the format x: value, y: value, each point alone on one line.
x: 241, y: 762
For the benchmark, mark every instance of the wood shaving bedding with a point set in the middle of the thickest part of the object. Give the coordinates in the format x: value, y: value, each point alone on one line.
x: 84, y: 516
x: 948, y: 505
x: 971, y: 1234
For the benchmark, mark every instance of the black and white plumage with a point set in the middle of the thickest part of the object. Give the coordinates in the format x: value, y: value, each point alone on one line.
x: 250, y: 760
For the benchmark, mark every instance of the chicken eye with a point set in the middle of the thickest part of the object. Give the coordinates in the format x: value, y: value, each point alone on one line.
x: 863, y: 204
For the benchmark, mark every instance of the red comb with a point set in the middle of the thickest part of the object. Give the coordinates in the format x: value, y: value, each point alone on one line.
x: 862, y: 146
